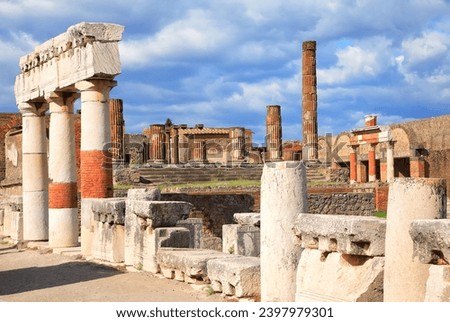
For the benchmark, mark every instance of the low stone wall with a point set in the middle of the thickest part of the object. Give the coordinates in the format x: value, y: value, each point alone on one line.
x: 349, y: 203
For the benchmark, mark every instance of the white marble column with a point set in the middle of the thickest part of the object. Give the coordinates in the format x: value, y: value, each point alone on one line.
x: 63, y: 206
x: 283, y: 197
x: 34, y: 171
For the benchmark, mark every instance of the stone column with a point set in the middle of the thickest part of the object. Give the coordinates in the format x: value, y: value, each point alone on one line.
x: 199, y: 151
x: 353, y: 165
x: 117, y: 130
x: 63, y: 205
x: 273, y: 133
x: 157, y: 139
x: 309, y: 102
x: 372, y: 163
x: 96, y: 165
x: 174, y: 159
x: 237, y: 136
x: 409, y: 199
x: 390, y: 161
x: 283, y: 197
x: 34, y: 171
x: 183, y: 147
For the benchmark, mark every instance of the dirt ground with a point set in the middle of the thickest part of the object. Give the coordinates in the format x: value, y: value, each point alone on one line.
x: 38, y: 276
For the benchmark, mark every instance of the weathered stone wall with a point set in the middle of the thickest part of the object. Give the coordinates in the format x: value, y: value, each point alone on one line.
x: 357, y: 204
x: 7, y: 121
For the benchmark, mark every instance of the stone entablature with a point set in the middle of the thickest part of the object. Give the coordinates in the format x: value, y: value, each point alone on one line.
x: 85, y: 50
x: 431, y: 241
x: 353, y: 235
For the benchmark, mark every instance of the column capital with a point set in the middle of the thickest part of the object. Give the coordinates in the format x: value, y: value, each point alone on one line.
x: 33, y: 108
x: 61, y: 101
x: 95, y: 84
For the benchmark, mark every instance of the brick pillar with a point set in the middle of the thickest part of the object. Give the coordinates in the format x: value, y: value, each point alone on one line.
x: 309, y: 102
x: 383, y: 170
x: 372, y: 163
x: 361, y: 175
x: 174, y: 159
x: 96, y: 165
x: 157, y: 141
x: 353, y: 165
x: 273, y: 133
x: 63, y: 205
x: 237, y: 136
x: 34, y: 171
x: 417, y: 167
x: 117, y: 129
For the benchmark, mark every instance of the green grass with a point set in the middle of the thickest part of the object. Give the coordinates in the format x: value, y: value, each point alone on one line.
x: 380, y: 214
x: 213, y: 184
x: 123, y: 186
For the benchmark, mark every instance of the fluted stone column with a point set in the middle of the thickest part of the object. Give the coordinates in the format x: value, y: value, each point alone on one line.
x: 409, y: 199
x: 174, y: 153
x: 96, y: 165
x: 63, y: 205
x: 273, y: 133
x: 309, y: 102
x: 237, y: 136
x: 117, y: 129
x: 34, y: 171
x: 390, y: 161
x: 157, y: 141
x: 283, y: 197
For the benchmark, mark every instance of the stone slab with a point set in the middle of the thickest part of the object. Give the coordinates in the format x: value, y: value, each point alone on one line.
x: 431, y: 240
x: 187, y: 265
x: 354, y: 235
x: 248, y: 218
x: 238, y: 276
x: 159, y: 213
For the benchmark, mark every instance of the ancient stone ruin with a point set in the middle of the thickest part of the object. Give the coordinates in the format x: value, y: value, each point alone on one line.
x: 299, y: 246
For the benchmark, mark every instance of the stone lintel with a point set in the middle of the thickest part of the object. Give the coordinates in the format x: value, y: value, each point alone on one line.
x: 353, y: 235
x: 431, y: 240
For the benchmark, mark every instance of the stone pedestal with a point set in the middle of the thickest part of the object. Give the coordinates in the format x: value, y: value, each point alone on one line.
x: 283, y: 197
x: 409, y: 199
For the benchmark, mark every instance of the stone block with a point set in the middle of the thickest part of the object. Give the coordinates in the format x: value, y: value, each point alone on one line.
x: 144, y: 194
x: 188, y: 265
x: 87, y: 226
x: 108, y: 242
x: 214, y: 243
x: 438, y: 284
x: 109, y: 210
x: 235, y: 276
x: 158, y: 213
x: 16, y: 228
x: 335, y: 277
x: 241, y: 240
x: 248, y: 218
x: 195, y: 227
x: 353, y: 235
x: 431, y: 240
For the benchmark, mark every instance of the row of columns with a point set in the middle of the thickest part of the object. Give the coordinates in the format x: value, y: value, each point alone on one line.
x: 50, y: 203
x: 372, y: 162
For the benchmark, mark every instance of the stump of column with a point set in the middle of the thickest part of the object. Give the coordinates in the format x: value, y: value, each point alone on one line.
x: 34, y: 172
x: 283, y: 197
x: 409, y: 199
x: 63, y: 205
x: 157, y: 143
x: 273, y: 133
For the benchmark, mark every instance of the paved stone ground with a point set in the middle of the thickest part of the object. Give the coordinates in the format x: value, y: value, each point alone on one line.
x: 43, y: 276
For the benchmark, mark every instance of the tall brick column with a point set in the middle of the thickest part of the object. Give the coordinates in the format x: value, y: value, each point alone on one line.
x: 96, y: 165
x: 34, y: 171
x: 117, y: 129
x: 372, y: 163
x: 63, y: 206
x: 309, y: 102
x: 174, y: 153
x: 353, y: 165
x: 273, y: 133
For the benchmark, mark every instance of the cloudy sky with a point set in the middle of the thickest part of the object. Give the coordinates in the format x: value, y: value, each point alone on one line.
x: 220, y: 62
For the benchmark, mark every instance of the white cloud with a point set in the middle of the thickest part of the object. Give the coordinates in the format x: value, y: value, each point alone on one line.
x: 197, y: 34
x: 429, y: 46
x: 366, y: 60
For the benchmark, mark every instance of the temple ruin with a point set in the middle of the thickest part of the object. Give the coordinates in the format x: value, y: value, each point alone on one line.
x: 289, y: 240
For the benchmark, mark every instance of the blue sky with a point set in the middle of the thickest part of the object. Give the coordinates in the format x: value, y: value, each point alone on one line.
x: 220, y: 62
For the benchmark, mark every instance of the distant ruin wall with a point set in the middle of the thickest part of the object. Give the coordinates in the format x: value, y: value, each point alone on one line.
x: 356, y: 204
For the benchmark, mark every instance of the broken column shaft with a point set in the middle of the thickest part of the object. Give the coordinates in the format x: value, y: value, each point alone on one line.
x: 273, y: 133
